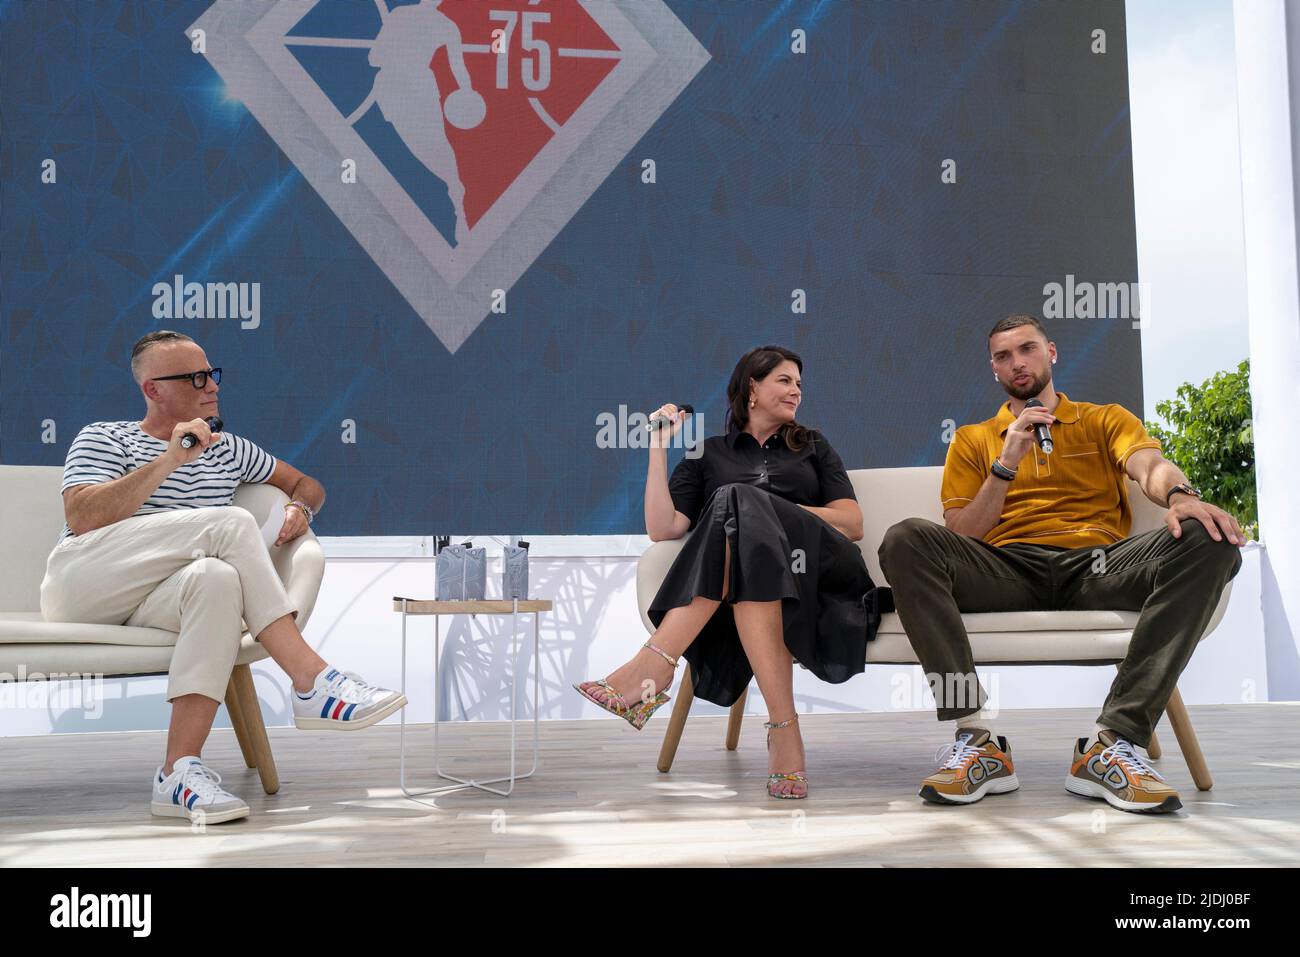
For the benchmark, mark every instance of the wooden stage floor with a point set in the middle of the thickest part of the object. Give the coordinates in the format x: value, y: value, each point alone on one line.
x: 83, y: 800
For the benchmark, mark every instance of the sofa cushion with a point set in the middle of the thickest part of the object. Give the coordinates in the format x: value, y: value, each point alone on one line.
x: 1016, y: 621
x: 1017, y: 647
x: 28, y: 627
x: 35, y: 662
x: 32, y: 510
x: 657, y: 559
x: 31, y: 514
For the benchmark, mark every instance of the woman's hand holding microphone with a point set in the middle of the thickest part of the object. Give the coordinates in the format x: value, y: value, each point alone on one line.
x: 661, y: 436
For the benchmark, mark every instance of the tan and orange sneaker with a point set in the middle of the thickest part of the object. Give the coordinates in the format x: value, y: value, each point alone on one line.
x: 1111, y: 770
x: 971, y: 767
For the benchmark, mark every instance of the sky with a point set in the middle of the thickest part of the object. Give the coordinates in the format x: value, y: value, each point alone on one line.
x: 1187, y: 191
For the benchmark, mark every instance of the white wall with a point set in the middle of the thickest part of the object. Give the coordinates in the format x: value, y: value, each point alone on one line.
x: 1268, y: 82
x: 595, y: 626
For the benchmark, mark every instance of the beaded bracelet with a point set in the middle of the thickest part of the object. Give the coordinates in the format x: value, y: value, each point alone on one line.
x: 1001, y: 471
x: 306, y: 509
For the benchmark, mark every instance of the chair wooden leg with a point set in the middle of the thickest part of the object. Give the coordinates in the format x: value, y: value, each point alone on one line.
x: 734, y: 719
x: 677, y: 720
x: 1191, y: 748
x: 236, y: 710
x: 242, y: 679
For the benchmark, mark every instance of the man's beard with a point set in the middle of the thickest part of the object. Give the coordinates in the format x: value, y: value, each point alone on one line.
x: 1030, y: 389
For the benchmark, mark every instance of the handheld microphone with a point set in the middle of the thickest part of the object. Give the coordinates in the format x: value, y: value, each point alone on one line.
x: 1041, y: 432
x: 659, y: 421
x: 189, y: 439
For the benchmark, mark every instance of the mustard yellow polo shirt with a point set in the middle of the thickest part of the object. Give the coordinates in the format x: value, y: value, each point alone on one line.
x: 1076, y: 497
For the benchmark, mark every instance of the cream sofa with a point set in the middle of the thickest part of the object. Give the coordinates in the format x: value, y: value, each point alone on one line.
x: 1020, y: 638
x: 31, y: 517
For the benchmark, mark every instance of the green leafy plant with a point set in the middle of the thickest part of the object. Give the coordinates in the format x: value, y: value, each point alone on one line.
x: 1210, y: 439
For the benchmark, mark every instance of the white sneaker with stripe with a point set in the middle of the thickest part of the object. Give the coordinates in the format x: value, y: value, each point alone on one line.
x: 194, y: 791
x: 342, y: 701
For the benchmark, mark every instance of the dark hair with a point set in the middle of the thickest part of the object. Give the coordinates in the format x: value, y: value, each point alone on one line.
x: 758, y: 364
x: 152, y: 339
x: 1016, y: 321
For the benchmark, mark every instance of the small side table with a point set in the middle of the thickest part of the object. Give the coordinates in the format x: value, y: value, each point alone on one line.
x: 513, y: 608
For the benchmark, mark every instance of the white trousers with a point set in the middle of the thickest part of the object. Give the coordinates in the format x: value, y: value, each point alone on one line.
x: 200, y: 572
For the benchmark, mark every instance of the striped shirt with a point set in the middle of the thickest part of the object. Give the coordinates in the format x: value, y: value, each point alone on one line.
x: 104, y: 451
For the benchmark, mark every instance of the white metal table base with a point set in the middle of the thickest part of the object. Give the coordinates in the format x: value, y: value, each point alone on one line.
x: 459, y: 782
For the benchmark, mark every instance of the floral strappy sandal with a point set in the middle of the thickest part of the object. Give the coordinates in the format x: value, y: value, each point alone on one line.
x: 774, y: 780
x: 600, y: 693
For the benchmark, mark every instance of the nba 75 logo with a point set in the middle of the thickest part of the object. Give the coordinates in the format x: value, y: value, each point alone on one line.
x: 477, y: 127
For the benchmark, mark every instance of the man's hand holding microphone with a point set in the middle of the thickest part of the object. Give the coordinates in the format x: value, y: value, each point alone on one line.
x: 1021, y: 435
x: 191, y: 439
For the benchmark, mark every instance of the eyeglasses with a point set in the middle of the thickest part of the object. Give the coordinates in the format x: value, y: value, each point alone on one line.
x: 199, y: 379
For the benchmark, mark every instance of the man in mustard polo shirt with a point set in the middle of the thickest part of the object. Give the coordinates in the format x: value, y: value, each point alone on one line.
x: 1027, y: 530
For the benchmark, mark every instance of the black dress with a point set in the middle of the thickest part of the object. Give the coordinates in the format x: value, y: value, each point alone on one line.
x: 750, y: 495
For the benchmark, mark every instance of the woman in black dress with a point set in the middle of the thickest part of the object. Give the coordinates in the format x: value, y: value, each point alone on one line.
x: 769, y: 573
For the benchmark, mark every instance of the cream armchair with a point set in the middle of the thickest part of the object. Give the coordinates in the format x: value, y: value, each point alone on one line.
x: 1009, y: 638
x: 31, y: 517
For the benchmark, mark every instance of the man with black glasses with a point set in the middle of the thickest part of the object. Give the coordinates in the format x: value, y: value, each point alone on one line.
x: 152, y: 540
